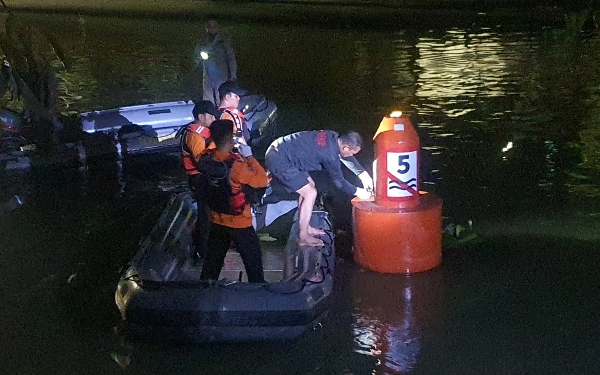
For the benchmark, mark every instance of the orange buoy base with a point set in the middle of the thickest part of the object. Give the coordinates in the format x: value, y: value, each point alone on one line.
x: 398, y: 240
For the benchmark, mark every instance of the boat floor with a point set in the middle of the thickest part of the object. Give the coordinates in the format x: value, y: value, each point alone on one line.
x: 272, y: 259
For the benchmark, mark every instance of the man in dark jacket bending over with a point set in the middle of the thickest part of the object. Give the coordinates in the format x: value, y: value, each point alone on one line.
x: 291, y: 157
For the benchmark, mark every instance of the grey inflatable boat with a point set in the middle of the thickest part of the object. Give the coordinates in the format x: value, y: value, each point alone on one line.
x: 150, y: 128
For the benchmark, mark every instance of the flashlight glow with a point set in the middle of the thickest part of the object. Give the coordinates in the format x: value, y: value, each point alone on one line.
x: 204, y: 55
x: 509, y: 145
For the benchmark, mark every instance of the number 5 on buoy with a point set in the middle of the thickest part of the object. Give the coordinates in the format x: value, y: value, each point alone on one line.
x: 402, y: 176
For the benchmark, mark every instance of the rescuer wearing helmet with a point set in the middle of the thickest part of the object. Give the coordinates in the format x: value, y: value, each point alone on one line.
x: 215, y: 54
x: 232, y: 221
x: 291, y: 157
x: 195, y: 140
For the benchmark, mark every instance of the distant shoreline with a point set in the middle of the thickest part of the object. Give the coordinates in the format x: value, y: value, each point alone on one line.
x: 347, y: 12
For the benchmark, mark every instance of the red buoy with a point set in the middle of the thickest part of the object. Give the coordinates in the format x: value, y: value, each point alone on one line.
x: 396, y: 166
x: 401, y: 230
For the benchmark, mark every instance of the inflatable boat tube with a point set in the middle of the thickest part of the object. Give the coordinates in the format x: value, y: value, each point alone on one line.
x: 160, y: 298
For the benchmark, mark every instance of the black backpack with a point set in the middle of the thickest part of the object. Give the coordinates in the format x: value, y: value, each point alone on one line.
x: 216, y: 187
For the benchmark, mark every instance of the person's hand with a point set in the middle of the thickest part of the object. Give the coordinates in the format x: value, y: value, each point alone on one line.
x: 363, y: 194
x: 245, y: 150
x: 366, y: 180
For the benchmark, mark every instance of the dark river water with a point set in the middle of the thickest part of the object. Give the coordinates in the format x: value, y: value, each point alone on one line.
x: 509, y: 120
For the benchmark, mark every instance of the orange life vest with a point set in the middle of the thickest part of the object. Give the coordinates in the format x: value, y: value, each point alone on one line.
x: 186, y: 156
x: 239, y: 121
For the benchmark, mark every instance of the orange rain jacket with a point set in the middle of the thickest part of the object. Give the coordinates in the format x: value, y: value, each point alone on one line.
x: 247, y: 171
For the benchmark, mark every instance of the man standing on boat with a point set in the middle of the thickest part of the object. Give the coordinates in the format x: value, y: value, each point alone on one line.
x: 215, y: 54
x: 195, y: 140
x: 292, y: 157
x: 232, y: 221
x: 230, y: 94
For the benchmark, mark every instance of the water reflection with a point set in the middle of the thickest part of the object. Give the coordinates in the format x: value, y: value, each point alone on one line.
x: 392, y: 316
x: 471, y: 91
x: 460, y: 66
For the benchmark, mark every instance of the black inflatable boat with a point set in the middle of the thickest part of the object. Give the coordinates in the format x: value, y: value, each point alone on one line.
x: 159, y: 295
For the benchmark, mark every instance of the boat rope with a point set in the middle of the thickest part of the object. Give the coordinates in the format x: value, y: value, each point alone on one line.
x: 182, y: 227
x: 246, y: 286
x: 324, y: 270
x: 331, y: 237
x: 171, y: 225
x: 300, y: 289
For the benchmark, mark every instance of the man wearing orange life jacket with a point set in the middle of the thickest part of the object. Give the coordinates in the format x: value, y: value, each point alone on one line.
x: 225, y: 228
x: 230, y: 93
x: 195, y: 140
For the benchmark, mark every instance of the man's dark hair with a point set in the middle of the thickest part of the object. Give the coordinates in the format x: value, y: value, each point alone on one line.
x: 352, y: 140
x: 221, y: 131
x: 229, y: 87
x: 205, y: 106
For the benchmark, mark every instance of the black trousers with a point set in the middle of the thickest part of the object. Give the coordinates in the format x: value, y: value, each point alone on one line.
x: 202, y: 227
x: 246, y: 242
